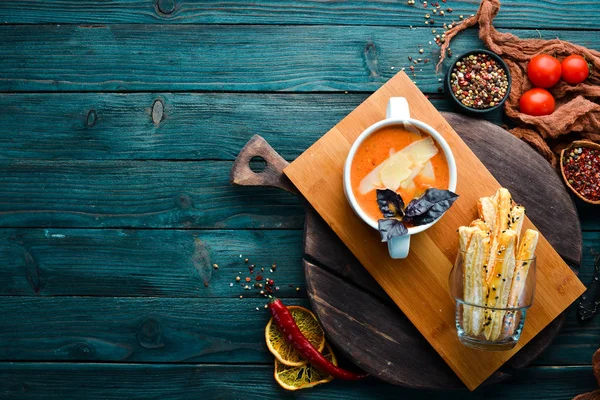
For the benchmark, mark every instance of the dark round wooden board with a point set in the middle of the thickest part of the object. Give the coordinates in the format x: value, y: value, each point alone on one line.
x: 357, y: 315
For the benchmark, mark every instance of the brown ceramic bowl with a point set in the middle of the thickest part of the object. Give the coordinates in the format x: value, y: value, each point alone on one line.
x: 577, y: 144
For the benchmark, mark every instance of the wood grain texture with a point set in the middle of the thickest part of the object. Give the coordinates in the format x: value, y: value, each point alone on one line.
x: 338, y: 302
x: 62, y: 381
x: 156, y: 263
x: 224, y: 57
x: 137, y: 194
x: 326, y: 250
x: 136, y: 263
x: 423, y: 275
x: 135, y: 329
x: 270, y: 175
x: 194, y: 126
x: 515, y: 14
x: 588, y: 215
x: 343, y: 294
x: 574, y: 341
x: 391, y: 348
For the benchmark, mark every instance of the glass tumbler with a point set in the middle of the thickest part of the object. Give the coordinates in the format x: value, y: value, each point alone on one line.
x: 491, y: 308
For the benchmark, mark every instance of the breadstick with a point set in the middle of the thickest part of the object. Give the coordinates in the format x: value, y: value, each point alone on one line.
x: 517, y: 216
x: 479, y: 249
x: 465, y: 241
x: 478, y: 223
x: 486, y: 207
x: 523, y: 262
x: 464, y: 236
x: 502, y: 272
x: 503, y: 207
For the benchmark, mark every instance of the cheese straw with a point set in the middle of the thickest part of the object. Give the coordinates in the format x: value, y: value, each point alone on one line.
x: 499, y: 284
x: 496, y: 263
x: 464, y: 240
x: 479, y: 249
x: 525, y: 255
x: 517, y: 216
x: 503, y: 208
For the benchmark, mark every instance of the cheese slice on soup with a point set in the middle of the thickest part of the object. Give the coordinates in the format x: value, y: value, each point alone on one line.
x: 392, y: 172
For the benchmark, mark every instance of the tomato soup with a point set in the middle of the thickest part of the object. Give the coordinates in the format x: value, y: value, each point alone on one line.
x: 407, y: 162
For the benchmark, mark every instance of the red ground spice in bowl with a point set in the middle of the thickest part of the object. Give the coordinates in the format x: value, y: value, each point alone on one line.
x: 580, y: 167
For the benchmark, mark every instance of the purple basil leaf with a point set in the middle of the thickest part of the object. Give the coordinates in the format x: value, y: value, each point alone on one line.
x: 390, y: 203
x: 421, y: 205
x: 436, y: 211
x: 389, y: 228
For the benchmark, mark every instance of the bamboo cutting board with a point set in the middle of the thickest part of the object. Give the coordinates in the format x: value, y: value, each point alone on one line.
x: 419, y: 283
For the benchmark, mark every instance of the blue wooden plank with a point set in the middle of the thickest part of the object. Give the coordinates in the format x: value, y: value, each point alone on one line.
x: 164, y: 263
x: 139, y: 194
x: 135, y: 329
x: 133, y: 262
x: 514, y: 14
x: 224, y: 57
x: 589, y: 216
x: 196, y: 126
x: 574, y: 344
x: 154, y: 262
x: 64, y: 381
x: 159, y: 263
x: 189, y: 329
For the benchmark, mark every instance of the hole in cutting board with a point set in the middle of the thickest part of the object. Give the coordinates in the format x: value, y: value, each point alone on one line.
x: 258, y: 164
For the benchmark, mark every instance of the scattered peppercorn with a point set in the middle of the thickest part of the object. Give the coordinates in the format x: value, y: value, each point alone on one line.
x: 478, y: 81
x: 582, y: 171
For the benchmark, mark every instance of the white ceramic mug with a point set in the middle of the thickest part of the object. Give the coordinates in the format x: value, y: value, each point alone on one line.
x: 397, y: 114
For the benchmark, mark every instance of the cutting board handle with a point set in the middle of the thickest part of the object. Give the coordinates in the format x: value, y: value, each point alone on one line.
x: 272, y: 175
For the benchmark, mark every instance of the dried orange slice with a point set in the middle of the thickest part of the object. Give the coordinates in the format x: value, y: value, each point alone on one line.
x: 305, y: 376
x: 282, y: 350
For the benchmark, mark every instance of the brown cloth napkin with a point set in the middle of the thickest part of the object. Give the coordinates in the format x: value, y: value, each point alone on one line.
x: 577, y: 113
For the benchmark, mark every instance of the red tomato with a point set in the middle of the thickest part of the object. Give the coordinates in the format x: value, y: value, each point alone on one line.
x: 574, y: 69
x: 544, y: 71
x: 536, y: 102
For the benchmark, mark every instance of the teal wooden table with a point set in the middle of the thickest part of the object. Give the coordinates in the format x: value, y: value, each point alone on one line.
x: 119, y: 122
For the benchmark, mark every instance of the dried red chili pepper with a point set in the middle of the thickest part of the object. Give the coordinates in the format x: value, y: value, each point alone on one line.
x: 284, y: 320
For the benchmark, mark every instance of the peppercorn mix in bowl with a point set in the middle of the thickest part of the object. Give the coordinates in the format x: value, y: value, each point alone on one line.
x: 580, y: 168
x: 478, y: 81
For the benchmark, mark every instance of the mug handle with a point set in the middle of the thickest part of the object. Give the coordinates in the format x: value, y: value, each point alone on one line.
x: 397, y: 108
x: 399, y: 246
